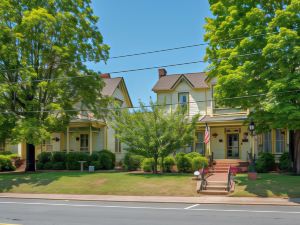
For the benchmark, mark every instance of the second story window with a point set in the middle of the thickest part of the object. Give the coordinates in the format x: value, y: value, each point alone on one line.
x: 183, y: 99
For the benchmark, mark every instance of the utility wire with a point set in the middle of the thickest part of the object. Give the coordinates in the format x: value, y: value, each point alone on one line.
x: 134, y: 70
x: 154, y: 51
x: 149, y: 106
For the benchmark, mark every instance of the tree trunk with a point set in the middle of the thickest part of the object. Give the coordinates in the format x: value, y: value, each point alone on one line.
x: 296, y: 158
x: 155, y: 165
x: 30, y: 158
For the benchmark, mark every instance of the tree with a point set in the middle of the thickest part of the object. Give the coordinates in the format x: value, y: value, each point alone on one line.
x: 154, y: 132
x: 259, y: 58
x: 43, y: 47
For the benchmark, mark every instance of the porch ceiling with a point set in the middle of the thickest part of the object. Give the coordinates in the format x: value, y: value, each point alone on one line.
x: 224, y: 120
x: 87, y: 123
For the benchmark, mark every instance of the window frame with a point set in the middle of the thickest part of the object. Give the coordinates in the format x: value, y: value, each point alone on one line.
x: 197, y: 141
x: 84, y: 149
x: 186, y: 105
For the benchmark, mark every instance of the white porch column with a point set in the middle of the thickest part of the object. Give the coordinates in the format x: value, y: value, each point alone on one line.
x: 68, y: 139
x: 91, y: 140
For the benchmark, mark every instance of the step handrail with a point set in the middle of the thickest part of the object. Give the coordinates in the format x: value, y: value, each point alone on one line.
x: 229, y: 179
x: 203, y: 183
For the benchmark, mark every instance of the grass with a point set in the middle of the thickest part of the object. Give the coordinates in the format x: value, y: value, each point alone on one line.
x: 267, y: 185
x: 99, y: 183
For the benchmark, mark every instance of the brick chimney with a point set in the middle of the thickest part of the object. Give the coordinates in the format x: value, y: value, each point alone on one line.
x: 161, y: 73
x: 105, y: 75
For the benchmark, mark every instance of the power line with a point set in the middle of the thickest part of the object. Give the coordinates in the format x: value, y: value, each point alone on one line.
x: 152, y: 52
x: 134, y: 70
x: 149, y: 106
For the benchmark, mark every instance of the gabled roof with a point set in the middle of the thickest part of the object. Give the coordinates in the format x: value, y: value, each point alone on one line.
x: 168, y: 82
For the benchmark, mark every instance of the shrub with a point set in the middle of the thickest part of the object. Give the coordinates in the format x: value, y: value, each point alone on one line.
x: 265, y: 162
x: 48, y: 166
x: 6, y: 163
x: 168, y: 163
x: 74, y: 157
x: 285, y: 162
x: 96, y: 164
x: 39, y: 166
x: 112, y: 156
x: 132, y: 162
x: 193, y: 155
x: 6, y: 153
x: 44, y: 157
x: 106, y: 161
x: 199, y: 162
x: 183, y: 162
x: 59, y: 157
x: 148, y: 165
x: 58, y: 166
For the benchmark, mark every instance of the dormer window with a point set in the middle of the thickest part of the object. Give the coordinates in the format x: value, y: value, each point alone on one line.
x: 183, y: 99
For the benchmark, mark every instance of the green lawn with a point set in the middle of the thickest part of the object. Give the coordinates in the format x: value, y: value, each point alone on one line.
x: 268, y: 185
x: 99, y: 183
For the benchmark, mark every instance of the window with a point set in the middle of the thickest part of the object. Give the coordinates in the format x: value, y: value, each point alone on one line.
x: 118, y: 147
x: 266, y: 142
x: 2, y: 146
x: 47, y: 146
x: 200, y: 145
x: 84, y: 142
x: 279, y: 147
x: 183, y: 99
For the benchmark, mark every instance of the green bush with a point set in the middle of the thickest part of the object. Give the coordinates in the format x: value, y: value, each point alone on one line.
x: 168, y: 163
x: 132, y: 162
x: 285, y: 162
x: 6, y: 163
x: 112, y: 156
x: 44, y: 157
x: 6, y: 153
x: 148, y: 165
x: 48, y: 166
x: 183, y: 162
x: 74, y: 157
x: 59, y: 157
x: 199, y: 162
x: 58, y: 166
x: 265, y: 162
x: 193, y: 155
x: 96, y: 164
x: 106, y: 161
x: 39, y: 166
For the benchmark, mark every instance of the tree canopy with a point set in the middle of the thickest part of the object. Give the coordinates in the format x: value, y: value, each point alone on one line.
x: 254, y: 50
x: 153, y: 131
x: 44, y: 45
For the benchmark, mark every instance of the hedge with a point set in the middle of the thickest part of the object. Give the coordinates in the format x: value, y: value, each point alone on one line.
x: 6, y: 163
x: 132, y: 162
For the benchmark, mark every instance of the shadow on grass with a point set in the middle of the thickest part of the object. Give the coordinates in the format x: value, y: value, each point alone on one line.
x: 271, y: 185
x: 160, y: 175
x: 8, y: 181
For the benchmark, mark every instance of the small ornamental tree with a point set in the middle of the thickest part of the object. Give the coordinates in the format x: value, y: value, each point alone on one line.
x: 254, y: 51
x: 154, y: 132
x: 43, y: 47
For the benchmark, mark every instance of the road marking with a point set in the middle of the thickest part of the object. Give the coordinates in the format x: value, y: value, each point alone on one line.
x: 148, y: 207
x: 192, y: 206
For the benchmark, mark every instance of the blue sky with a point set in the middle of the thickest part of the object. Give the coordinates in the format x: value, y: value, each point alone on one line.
x: 131, y: 26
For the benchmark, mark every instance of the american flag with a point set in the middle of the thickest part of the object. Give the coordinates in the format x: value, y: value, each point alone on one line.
x: 206, y: 136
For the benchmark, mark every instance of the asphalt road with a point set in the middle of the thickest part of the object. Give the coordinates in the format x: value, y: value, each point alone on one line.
x: 46, y: 212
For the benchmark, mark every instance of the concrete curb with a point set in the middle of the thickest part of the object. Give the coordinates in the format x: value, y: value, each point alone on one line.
x: 161, y: 199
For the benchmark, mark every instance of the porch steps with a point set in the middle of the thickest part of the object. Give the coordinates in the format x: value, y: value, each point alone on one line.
x: 216, y: 184
x: 214, y: 192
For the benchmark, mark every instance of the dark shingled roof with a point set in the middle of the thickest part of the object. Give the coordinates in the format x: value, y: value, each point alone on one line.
x: 165, y: 83
x: 110, y: 85
x: 237, y: 118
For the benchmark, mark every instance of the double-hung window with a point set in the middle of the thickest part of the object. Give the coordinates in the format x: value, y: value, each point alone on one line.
x: 183, y: 99
x: 84, y: 142
x: 279, y: 147
x: 199, y: 145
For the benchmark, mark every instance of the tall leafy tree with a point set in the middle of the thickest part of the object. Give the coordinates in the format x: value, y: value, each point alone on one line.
x: 43, y: 47
x: 254, y: 49
x: 153, y: 131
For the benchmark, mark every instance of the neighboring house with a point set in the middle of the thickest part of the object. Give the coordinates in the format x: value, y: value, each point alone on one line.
x: 229, y: 135
x: 85, y: 133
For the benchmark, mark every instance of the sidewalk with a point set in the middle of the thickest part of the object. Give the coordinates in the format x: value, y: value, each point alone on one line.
x: 161, y: 199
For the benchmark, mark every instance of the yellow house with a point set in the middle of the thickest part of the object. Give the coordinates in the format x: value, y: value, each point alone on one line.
x: 84, y: 133
x: 229, y: 134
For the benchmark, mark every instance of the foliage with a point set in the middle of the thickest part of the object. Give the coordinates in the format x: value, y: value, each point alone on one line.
x: 6, y: 163
x: 154, y: 132
x: 111, y: 155
x: 168, y: 163
x: 183, y: 163
x: 59, y: 157
x: 261, y: 58
x: 199, y: 162
x: 285, y: 162
x: 44, y: 157
x: 106, y: 161
x: 148, y: 165
x: 74, y: 157
x: 6, y: 153
x: 265, y: 162
x: 43, y: 44
x: 96, y: 164
x: 193, y: 154
x: 48, y: 166
x: 132, y: 162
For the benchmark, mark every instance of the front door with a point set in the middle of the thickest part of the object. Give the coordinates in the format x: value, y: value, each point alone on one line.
x: 233, y: 146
